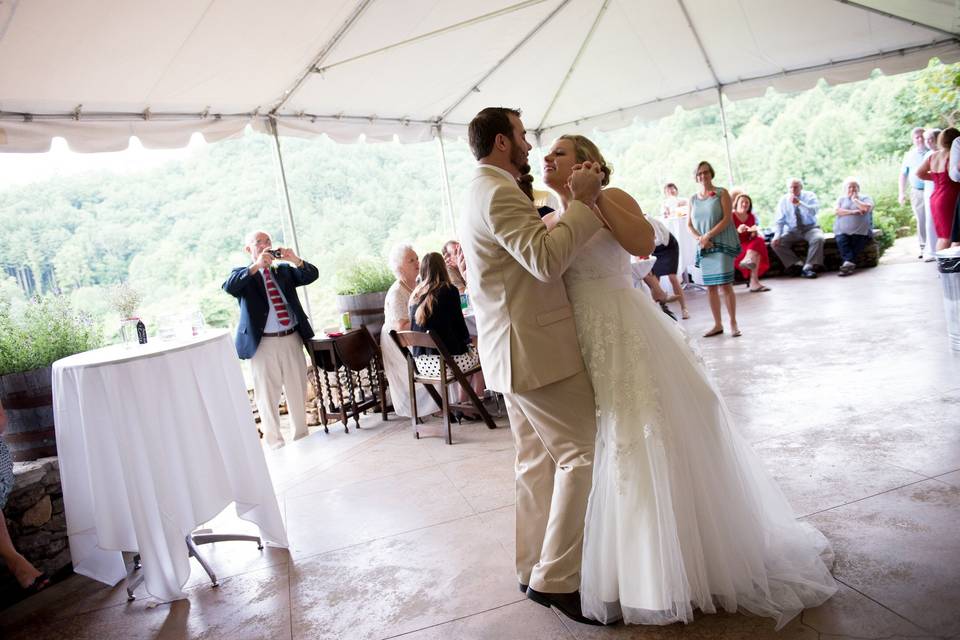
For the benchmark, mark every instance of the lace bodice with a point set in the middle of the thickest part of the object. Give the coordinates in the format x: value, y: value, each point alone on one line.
x: 601, y: 257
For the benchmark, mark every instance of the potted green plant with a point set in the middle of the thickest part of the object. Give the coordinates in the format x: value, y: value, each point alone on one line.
x: 34, y: 335
x: 361, y: 291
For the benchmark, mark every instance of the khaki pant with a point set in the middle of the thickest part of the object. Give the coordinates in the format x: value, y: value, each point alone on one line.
x: 279, y: 362
x: 920, y: 212
x: 554, y: 429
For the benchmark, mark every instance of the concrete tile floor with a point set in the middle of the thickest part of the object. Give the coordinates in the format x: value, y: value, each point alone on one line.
x: 844, y: 386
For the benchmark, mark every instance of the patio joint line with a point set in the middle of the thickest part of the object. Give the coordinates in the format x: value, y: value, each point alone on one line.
x: 387, y: 537
x: 355, y: 482
x: 883, y: 606
x: 874, y: 495
x: 440, y: 624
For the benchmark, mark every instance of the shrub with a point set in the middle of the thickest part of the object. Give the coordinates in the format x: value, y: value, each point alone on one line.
x: 364, y: 276
x: 41, y: 332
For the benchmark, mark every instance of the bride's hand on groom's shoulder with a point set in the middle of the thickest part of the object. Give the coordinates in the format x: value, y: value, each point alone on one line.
x: 584, y: 182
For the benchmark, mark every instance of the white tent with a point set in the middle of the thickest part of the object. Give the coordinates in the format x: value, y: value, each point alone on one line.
x: 96, y: 72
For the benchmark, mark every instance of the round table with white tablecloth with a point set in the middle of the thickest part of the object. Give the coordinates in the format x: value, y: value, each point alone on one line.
x: 688, y: 247
x: 154, y: 440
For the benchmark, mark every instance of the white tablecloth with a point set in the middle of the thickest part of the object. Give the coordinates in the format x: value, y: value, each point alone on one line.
x: 154, y: 440
x: 688, y: 247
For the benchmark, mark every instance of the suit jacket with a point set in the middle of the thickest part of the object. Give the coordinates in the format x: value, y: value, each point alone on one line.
x: 526, y: 335
x: 251, y: 293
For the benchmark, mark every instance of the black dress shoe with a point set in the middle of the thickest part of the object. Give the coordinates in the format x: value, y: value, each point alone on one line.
x: 523, y: 588
x: 794, y: 270
x: 566, y: 603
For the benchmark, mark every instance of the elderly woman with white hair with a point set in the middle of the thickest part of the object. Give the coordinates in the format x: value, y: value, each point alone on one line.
x: 405, y: 265
x: 854, y: 225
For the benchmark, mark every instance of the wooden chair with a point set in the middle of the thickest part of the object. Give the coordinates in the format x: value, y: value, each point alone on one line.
x: 407, y: 339
x: 359, y: 355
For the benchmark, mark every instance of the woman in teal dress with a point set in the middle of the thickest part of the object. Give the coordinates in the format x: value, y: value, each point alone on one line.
x: 711, y: 223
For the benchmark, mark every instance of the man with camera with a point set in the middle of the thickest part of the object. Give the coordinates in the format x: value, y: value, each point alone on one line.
x: 272, y: 331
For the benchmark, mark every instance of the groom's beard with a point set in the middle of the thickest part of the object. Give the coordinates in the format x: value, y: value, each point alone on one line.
x: 518, y: 158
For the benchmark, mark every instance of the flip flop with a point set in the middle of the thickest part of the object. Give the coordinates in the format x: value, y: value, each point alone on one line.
x: 39, y: 583
x: 759, y: 289
x: 736, y: 334
x: 715, y: 332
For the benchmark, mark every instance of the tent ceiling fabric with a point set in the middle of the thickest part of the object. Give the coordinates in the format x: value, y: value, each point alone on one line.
x: 386, y: 68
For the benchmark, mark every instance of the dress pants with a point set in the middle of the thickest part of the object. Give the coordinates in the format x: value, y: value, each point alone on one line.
x: 920, y: 212
x: 554, y: 429
x: 279, y: 362
x: 814, y: 238
x: 850, y: 245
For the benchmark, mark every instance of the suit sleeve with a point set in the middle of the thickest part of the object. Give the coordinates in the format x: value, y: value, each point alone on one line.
x: 238, y: 280
x: 304, y: 275
x: 518, y: 229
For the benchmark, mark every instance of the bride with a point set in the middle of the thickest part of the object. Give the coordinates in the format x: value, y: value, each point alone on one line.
x: 682, y: 514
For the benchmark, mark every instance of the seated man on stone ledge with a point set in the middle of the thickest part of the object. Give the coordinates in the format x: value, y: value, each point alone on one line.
x: 797, y: 220
x: 854, y: 225
x: 272, y: 331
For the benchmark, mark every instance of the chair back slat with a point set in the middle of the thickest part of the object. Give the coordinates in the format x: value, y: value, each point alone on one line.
x: 356, y: 349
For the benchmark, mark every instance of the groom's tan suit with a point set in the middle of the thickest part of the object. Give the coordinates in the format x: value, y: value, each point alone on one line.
x: 529, y: 351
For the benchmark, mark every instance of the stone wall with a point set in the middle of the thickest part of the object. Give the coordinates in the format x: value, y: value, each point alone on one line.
x: 36, y: 522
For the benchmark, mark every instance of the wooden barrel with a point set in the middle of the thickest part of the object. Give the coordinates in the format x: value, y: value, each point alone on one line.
x: 28, y: 400
x: 365, y: 308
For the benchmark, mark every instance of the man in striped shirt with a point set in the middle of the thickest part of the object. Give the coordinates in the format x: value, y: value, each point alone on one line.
x: 272, y: 330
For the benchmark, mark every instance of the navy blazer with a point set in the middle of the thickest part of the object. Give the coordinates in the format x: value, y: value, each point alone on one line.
x: 251, y: 293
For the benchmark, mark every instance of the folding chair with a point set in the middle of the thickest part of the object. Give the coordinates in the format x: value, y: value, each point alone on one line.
x: 407, y: 339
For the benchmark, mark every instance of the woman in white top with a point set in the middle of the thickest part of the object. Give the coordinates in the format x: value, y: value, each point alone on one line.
x: 405, y: 264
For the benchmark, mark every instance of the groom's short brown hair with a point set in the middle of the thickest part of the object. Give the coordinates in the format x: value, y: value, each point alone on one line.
x: 485, y: 127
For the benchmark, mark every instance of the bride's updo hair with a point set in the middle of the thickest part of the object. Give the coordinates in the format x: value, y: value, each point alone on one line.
x: 585, y: 151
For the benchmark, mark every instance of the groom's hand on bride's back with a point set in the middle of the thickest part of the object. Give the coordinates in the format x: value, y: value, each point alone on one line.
x: 585, y: 182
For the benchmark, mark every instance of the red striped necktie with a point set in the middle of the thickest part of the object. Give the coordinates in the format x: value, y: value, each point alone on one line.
x: 274, y: 294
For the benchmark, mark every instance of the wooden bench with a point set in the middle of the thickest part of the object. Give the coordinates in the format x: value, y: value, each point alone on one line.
x: 869, y: 257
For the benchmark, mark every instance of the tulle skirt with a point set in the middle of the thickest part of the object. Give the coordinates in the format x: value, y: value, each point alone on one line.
x: 682, y: 514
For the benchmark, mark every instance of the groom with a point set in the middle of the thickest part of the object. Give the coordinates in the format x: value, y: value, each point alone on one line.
x: 529, y: 350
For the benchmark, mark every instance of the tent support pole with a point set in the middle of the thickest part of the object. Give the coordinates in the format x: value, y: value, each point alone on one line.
x: 288, y: 208
x: 447, y: 199
x: 726, y: 137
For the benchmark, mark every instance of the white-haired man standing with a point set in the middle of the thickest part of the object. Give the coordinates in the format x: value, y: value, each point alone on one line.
x: 912, y: 159
x: 797, y: 220
x: 272, y: 331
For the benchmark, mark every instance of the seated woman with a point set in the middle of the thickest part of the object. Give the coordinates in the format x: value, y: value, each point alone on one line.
x: 405, y: 264
x: 673, y: 204
x: 753, y: 260
x: 854, y: 225
x: 435, y: 305
x: 29, y: 577
x: 450, y: 249
x: 667, y: 253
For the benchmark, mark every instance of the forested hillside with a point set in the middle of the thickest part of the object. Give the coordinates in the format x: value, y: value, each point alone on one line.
x: 174, y: 232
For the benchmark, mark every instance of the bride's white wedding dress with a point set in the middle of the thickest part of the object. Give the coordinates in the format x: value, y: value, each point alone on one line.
x: 682, y: 514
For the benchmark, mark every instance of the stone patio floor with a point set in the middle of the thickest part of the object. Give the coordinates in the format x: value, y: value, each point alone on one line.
x: 845, y: 387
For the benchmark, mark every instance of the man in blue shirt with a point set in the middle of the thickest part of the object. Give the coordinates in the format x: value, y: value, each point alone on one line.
x: 908, y: 174
x: 797, y: 220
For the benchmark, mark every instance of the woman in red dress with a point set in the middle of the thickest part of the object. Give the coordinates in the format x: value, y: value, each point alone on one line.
x: 943, y: 202
x: 753, y: 260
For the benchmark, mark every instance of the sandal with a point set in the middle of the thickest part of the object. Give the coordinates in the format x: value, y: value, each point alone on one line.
x: 684, y: 314
x: 759, y: 289
x: 713, y: 332
x: 39, y: 583
x: 737, y: 333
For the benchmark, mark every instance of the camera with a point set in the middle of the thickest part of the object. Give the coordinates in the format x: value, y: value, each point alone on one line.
x: 274, y: 252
